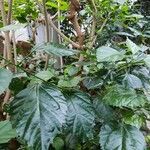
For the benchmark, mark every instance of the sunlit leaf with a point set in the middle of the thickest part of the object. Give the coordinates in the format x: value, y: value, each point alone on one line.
x: 124, y: 33
x: 42, y: 76
x: 69, y: 82
x: 132, y: 46
x: 132, y: 81
x: 119, y: 96
x: 13, y: 27
x: 135, y: 32
x: 147, y: 61
x: 138, y: 16
x: 133, y: 119
x: 108, y: 54
x: 120, y: 1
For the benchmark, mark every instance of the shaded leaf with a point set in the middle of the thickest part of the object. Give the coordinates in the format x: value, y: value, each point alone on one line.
x: 17, y: 85
x: 119, y: 96
x: 92, y: 82
x: 71, y: 141
x: 5, y: 79
x: 55, y: 49
x: 102, y: 110
x: 6, y: 131
x: 80, y: 115
x: 38, y: 113
x: 121, y: 137
x: 58, y: 143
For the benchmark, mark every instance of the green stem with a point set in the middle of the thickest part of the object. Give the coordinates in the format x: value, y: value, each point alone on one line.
x: 9, y: 62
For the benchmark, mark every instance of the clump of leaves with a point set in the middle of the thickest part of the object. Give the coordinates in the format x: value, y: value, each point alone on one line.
x: 100, y: 103
x: 42, y: 111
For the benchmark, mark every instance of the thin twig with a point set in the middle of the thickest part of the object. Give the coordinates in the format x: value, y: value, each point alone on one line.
x: 100, y: 30
x: 15, y: 50
x: 93, y: 27
x: 62, y: 35
x: 75, y: 45
x: 4, y: 55
x: 7, y: 96
x: 9, y: 16
x: 59, y: 37
x: 9, y: 62
x: 73, y: 18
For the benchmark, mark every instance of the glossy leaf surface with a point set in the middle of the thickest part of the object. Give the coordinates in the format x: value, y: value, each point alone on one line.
x: 121, y: 137
x: 38, y: 113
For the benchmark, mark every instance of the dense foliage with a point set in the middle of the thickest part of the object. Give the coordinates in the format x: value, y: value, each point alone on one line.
x: 98, y: 98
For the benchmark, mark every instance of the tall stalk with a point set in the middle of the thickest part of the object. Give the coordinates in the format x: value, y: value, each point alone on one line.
x: 7, y: 37
x: 47, y: 30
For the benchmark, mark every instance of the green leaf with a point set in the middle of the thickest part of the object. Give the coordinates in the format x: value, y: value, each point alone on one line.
x: 92, y: 82
x: 133, y: 81
x: 58, y: 143
x: 119, y: 96
x: 70, y: 82
x: 146, y: 35
x: 133, y: 119
x: 80, y: 115
x: 147, y: 61
x: 121, y: 2
x: 132, y: 46
x: 5, y: 79
x: 12, y: 27
x: 44, y: 75
x: 124, y: 33
x: 6, y: 131
x: 17, y: 85
x: 138, y: 16
x: 71, y: 70
x: 55, y: 49
x: 107, y: 54
x: 63, y: 5
x: 52, y: 4
x: 71, y: 141
x: 135, y: 32
x: 103, y: 111
x: 121, y: 137
x: 38, y: 113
